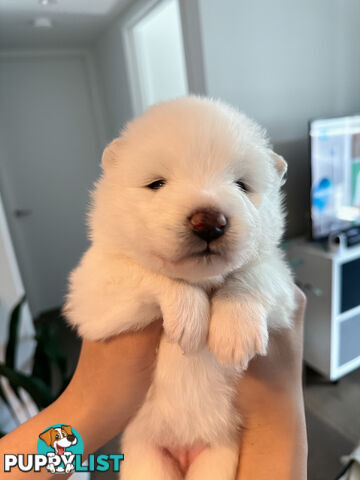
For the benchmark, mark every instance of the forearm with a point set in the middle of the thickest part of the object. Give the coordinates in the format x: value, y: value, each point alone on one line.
x: 24, y: 439
x: 75, y: 408
x: 274, y: 444
x: 108, y: 386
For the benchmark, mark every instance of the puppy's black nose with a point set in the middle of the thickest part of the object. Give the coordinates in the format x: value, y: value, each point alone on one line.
x: 208, y: 224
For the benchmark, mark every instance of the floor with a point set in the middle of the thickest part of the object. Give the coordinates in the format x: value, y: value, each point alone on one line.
x: 333, y: 422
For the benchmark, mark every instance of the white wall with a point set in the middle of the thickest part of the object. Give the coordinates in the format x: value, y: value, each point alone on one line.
x: 109, y: 57
x: 284, y: 62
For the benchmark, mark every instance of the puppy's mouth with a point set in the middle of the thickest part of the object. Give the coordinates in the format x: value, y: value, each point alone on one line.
x: 205, y: 253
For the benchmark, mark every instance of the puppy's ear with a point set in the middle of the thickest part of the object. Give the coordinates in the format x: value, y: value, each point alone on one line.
x: 67, y: 429
x: 111, y: 153
x: 280, y: 166
x: 46, y: 436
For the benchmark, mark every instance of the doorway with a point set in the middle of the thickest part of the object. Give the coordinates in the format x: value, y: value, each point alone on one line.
x: 49, y: 129
x: 157, y: 69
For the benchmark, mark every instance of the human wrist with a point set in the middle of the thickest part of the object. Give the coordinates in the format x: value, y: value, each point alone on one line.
x: 273, y: 442
x: 260, y: 389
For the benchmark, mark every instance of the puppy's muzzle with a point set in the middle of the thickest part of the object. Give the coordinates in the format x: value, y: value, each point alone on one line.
x: 208, y: 224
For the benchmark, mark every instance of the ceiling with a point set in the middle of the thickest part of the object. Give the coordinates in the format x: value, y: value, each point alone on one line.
x: 75, y: 23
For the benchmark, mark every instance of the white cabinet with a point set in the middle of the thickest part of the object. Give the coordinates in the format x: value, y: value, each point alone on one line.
x: 331, y: 281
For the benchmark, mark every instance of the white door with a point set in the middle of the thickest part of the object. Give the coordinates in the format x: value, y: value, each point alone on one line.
x: 49, y: 159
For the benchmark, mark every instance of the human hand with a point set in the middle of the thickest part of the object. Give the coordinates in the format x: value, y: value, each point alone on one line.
x: 273, y: 443
x: 111, y: 380
x: 109, y: 385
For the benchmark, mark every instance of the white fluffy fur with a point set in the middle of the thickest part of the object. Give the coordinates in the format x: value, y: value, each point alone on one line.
x: 216, y: 310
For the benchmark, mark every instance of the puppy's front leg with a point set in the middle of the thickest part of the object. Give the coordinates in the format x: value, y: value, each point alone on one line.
x: 186, y: 313
x: 238, y: 327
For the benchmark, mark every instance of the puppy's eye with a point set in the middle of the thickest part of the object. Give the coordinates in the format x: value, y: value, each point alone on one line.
x: 242, y: 185
x: 57, y: 436
x: 156, y: 185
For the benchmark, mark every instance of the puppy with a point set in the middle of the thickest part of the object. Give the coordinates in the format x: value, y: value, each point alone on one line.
x: 59, y: 438
x: 185, y: 224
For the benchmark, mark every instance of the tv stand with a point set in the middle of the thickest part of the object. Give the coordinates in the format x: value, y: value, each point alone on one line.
x: 346, y: 239
x: 331, y: 281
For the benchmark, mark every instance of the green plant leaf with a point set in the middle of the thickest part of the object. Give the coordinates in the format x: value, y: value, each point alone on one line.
x: 11, y: 346
x: 7, y: 403
x: 10, y: 351
x: 3, y: 396
x: 48, y: 347
x: 65, y: 383
x: 41, y: 365
x: 35, y: 387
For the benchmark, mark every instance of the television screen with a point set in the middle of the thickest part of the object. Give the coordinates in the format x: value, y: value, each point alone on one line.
x: 335, y: 172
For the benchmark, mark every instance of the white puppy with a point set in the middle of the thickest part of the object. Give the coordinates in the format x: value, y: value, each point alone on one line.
x: 185, y: 224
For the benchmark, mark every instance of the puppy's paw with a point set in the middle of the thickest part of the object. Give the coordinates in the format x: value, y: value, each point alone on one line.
x: 186, y: 318
x: 238, y: 331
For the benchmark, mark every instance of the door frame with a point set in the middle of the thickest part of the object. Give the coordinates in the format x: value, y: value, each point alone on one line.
x: 139, y: 11
x: 192, y: 44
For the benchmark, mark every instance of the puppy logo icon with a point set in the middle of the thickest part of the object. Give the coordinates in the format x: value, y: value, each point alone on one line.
x: 60, y: 443
x: 60, y: 449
